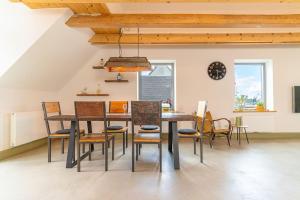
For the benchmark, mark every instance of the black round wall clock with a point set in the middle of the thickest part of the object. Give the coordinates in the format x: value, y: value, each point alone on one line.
x: 216, y: 70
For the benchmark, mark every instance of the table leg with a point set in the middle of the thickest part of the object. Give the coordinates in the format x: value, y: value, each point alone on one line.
x: 175, y: 146
x: 239, y: 136
x: 170, y: 137
x: 246, y: 135
x: 71, y: 147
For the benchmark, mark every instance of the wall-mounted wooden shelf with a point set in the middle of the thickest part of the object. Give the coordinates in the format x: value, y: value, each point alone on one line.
x: 98, y: 67
x: 91, y: 95
x: 116, y: 81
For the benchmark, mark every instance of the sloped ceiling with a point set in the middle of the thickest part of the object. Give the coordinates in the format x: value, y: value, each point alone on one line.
x: 52, y: 60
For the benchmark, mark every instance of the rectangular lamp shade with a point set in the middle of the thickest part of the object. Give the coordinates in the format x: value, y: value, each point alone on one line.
x: 127, y: 64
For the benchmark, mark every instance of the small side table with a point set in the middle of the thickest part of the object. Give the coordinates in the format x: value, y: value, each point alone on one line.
x: 238, y: 133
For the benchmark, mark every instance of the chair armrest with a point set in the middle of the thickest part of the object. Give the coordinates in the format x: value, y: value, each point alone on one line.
x: 223, y: 119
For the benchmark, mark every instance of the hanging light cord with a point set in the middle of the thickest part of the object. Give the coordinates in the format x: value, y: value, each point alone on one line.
x: 138, y: 29
x: 119, y: 43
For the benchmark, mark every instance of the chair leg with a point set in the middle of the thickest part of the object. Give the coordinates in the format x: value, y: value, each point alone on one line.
x: 90, y: 151
x: 124, y: 137
x: 140, y: 147
x: 83, y: 148
x: 201, y: 150
x: 195, y: 146
x: 78, y: 157
x: 211, y: 140
x: 49, y: 149
x: 137, y: 151
x: 228, y: 139
x: 106, y: 155
x: 132, y: 157
x: 102, y: 148
x: 246, y: 135
x: 113, y: 148
x: 62, y: 146
x: 160, y: 157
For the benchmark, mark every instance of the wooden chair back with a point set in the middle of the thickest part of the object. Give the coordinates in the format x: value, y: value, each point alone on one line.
x: 146, y: 113
x: 118, y: 106
x: 207, y: 123
x: 201, y: 116
x: 51, y: 108
x: 90, y: 109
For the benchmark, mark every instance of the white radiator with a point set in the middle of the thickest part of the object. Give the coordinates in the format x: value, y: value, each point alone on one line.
x: 26, y: 127
x: 4, y: 131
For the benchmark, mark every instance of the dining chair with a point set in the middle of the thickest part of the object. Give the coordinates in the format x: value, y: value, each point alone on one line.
x: 197, y: 132
x: 50, y: 109
x: 93, y: 111
x: 145, y: 113
x: 116, y: 107
x: 215, y: 131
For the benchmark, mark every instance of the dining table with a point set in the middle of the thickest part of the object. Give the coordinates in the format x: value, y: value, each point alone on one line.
x: 171, y: 117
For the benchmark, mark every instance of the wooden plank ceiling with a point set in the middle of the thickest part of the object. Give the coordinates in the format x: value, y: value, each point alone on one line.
x: 95, y: 14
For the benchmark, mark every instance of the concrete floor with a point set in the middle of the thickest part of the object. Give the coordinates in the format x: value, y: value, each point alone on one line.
x: 264, y: 169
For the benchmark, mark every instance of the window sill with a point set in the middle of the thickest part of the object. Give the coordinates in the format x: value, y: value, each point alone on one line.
x: 254, y: 111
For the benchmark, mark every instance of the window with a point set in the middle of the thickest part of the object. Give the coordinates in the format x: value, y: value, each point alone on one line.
x: 249, y: 84
x: 158, y: 84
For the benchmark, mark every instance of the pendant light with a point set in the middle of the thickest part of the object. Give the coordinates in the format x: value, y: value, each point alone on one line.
x: 128, y: 64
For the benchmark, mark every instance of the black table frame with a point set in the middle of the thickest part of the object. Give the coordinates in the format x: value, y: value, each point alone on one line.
x: 171, y: 118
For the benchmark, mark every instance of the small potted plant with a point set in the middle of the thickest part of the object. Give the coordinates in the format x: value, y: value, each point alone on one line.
x: 260, y: 107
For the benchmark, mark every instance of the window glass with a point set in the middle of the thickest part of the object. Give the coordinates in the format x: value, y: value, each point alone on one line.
x: 249, y: 84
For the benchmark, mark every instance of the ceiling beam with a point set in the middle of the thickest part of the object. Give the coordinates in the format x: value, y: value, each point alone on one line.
x: 157, y: 1
x: 234, y: 38
x: 184, y: 21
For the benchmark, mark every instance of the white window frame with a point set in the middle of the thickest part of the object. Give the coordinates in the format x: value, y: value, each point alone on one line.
x: 267, y: 79
x: 173, y: 62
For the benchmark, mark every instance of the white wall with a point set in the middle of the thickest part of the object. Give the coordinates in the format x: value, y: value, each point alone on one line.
x: 193, y: 83
x: 20, y: 28
x: 38, y: 55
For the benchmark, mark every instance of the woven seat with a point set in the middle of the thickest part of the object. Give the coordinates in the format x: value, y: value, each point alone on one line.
x: 197, y: 135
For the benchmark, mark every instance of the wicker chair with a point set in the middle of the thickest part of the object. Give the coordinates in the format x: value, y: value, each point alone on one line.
x: 212, y: 131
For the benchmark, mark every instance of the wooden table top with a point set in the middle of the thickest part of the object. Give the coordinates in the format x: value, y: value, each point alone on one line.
x: 166, y: 116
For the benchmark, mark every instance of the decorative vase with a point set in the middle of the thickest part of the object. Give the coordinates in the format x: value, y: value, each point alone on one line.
x: 119, y: 77
x: 98, y: 91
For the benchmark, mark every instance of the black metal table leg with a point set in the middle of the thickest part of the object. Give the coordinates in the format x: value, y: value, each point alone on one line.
x: 246, y: 135
x: 175, y: 145
x: 239, y: 135
x: 170, y: 137
x: 71, y: 147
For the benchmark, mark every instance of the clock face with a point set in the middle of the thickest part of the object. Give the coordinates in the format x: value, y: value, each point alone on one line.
x: 216, y: 70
